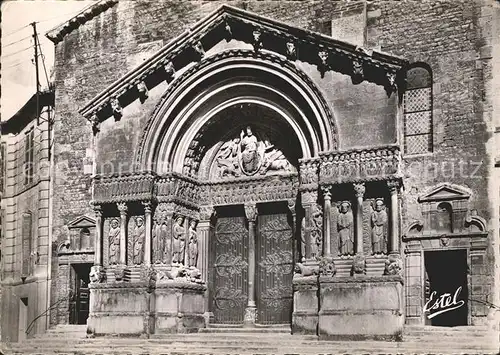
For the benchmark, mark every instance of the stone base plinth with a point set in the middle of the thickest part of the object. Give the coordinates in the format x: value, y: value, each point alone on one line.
x: 119, y: 309
x: 305, y: 305
x: 361, y: 307
x: 179, y: 307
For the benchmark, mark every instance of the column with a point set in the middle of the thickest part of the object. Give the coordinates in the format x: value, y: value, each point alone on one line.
x: 250, y: 311
x: 327, y: 210
x: 394, y: 242
x: 148, y: 226
x: 204, y: 230
x: 359, y: 190
x: 98, y: 236
x: 309, y: 199
x: 122, y: 207
x: 291, y: 207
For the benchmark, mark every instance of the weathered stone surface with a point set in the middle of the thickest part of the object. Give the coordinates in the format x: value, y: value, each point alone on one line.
x: 361, y: 308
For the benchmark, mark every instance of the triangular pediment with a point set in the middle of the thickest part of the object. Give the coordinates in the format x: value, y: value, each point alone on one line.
x: 445, y: 192
x: 82, y: 222
x: 229, y: 23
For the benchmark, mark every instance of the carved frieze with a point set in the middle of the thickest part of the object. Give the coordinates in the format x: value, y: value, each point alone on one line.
x: 360, y: 165
x: 308, y: 174
x: 131, y: 187
x: 251, y: 190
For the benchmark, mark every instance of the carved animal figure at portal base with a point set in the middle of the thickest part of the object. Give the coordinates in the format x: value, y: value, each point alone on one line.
x: 393, y: 265
x: 306, y: 270
x: 358, y: 265
x: 97, y: 274
x: 327, y: 266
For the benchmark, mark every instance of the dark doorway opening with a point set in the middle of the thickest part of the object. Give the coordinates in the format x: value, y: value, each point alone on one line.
x: 79, y: 301
x: 446, y: 274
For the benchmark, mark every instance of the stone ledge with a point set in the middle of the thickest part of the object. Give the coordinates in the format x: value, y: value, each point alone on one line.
x: 361, y: 279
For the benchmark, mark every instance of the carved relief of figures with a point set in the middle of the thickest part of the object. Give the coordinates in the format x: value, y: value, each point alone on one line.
x: 227, y: 160
x: 316, y: 232
x: 139, y: 235
x: 250, y: 159
x: 161, y: 243
x: 248, y: 155
x: 193, y: 245
x: 379, y: 227
x: 345, y: 229
x: 114, y: 242
x: 178, y: 241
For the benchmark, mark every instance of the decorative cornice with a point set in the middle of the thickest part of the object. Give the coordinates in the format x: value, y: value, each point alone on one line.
x: 231, y: 23
x: 58, y: 33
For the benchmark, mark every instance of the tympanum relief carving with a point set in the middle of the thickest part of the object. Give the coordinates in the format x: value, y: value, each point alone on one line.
x: 248, y: 155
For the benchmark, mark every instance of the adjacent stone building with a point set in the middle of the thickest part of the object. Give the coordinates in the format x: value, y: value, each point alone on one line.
x: 26, y: 254
x: 322, y: 165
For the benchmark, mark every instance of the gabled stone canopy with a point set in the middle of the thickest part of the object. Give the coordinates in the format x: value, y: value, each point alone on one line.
x: 264, y: 34
x: 445, y: 192
x: 82, y: 222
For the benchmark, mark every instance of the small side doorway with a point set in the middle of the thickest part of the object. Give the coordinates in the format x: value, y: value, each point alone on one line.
x: 79, y: 303
x: 447, y: 291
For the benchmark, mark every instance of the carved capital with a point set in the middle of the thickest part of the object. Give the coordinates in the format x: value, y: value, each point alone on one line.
x: 116, y: 108
x: 206, y: 213
x: 147, y: 206
x: 122, y: 207
x: 163, y: 212
x: 251, y: 211
x: 309, y: 197
x: 393, y: 185
x: 327, y: 194
x: 359, y: 189
x: 97, y: 211
x: 143, y: 91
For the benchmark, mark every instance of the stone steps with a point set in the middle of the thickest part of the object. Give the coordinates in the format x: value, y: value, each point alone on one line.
x: 265, y: 340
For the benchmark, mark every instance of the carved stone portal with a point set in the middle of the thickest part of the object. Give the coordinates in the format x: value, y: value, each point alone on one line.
x: 249, y: 155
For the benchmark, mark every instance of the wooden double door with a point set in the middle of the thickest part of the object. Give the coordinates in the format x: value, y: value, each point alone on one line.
x: 229, y: 272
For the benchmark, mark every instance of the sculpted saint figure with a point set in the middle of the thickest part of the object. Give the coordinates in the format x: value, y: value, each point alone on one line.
x: 178, y: 242
x: 379, y: 230
x: 114, y: 242
x: 227, y: 161
x: 140, y: 233
x: 249, y: 153
x: 193, y: 245
x: 344, y: 227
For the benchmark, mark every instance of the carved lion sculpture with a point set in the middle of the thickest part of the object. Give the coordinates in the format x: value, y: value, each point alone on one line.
x: 327, y: 266
x: 97, y: 274
x: 304, y: 270
x: 358, y: 265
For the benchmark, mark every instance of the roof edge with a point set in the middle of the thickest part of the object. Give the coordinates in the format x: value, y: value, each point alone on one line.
x: 58, y: 33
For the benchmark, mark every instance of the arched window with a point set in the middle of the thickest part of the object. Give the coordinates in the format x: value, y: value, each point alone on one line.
x: 418, y: 111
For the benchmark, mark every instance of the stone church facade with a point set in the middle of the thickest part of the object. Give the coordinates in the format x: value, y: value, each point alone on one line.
x: 324, y: 166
